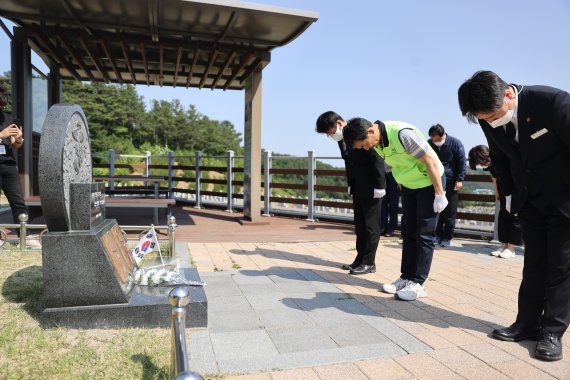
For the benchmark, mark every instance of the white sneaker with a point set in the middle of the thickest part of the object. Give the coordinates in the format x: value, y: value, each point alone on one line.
x: 507, y: 254
x: 411, y: 292
x: 395, y: 286
x: 497, y: 252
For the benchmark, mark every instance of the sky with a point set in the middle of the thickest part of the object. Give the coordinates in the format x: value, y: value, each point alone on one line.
x: 389, y: 60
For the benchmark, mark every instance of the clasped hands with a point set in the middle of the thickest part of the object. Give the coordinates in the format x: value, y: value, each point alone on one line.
x: 13, y: 132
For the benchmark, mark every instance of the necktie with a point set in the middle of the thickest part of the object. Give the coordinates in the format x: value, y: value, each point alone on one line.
x: 511, y: 132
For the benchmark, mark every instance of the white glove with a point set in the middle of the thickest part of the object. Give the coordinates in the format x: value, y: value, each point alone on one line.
x: 349, y: 190
x: 508, y: 203
x: 440, y: 203
x: 379, y: 193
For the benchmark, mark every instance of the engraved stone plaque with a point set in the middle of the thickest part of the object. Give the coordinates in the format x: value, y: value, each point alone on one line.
x: 65, y: 158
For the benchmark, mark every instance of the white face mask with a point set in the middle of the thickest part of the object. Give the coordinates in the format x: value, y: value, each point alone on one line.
x: 337, y: 135
x: 440, y: 142
x: 507, y: 117
x: 481, y: 167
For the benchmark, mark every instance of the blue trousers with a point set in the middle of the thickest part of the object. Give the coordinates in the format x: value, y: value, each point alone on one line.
x: 419, y: 222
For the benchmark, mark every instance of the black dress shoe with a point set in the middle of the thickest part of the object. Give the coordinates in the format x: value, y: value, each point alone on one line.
x: 548, y: 347
x: 363, y: 269
x: 389, y: 233
x: 516, y: 332
x: 347, y: 267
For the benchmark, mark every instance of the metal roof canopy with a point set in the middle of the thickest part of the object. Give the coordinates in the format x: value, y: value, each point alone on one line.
x: 213, y: 44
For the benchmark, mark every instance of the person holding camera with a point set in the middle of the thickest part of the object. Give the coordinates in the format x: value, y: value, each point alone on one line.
x: 11, y: 139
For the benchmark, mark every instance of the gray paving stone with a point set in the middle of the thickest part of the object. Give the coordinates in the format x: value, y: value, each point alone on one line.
x: 309, y: 358
x: 260, y: 279
x: 200, y: 352
x: 284, y: 318
x: 230, y: 304
x: 295, y: 338
x: 268, y: 300
x: 353, y: 332
x: 221, y: 288
x: 242, y: 344
x: 252, y: 288
x: 396, y: 334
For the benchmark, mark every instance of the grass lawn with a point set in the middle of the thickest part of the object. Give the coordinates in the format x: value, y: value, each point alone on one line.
x: 30, y: 351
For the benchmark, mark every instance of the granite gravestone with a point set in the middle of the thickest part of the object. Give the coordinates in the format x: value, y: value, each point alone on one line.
x: 87, y: 267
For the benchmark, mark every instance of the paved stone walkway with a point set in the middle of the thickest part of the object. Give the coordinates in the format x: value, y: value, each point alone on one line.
x: 286, y: 311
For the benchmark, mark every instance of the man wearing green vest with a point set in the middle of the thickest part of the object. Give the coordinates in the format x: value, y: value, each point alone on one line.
x: 419, y: 172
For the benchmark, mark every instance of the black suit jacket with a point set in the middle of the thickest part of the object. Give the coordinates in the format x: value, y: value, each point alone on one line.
x: 538, y: 169
x: 364, y: 170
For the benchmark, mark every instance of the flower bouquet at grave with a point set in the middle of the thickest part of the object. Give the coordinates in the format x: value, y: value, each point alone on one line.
x: 159, y: 275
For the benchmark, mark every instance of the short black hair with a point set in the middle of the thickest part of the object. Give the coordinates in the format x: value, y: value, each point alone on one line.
x: 484, y: 92
x: 356, y: 130
x: 436, y: 129
x: 326, y: 121
x: 479, y: 155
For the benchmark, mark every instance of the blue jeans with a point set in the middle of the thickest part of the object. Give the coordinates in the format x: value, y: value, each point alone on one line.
x: 419, y: 222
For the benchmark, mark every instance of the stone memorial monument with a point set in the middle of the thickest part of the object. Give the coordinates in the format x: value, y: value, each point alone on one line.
x: 87, y: 267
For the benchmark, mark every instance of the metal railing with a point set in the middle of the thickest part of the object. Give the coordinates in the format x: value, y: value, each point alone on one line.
x: 214, y: 181
x: 179, y: 298
x: 23, y: 228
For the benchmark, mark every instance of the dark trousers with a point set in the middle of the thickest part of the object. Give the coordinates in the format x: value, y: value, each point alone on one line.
x: 390, y: 204
x: 418, y: 233
x: 367, y: 228
x: 508, y: 226
x: 544, y: 294
x: 10, y: 185
x: 446, y: 220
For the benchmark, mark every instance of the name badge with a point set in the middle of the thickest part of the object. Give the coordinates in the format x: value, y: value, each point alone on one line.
x: 2, y: 149
x: 536, y: 135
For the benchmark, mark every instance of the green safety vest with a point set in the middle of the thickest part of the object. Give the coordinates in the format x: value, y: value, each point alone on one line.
x: 407, y: 170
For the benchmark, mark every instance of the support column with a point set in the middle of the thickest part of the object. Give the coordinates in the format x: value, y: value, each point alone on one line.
x: 22, y: 102
x: 252, y: 145
x: 54, y: 85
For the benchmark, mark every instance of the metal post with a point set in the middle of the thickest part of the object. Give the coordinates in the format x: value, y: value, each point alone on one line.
x: 23, y: 220
x: 179, y: 298
x: 111, y: 168
x: 311, y: 180
x: 267, y: 183
x: 147, y: 163
x: 170, y: 173
x: 230, y: 180
x: 198, y: 179
x: 496, y: 222
x: 171, y: 235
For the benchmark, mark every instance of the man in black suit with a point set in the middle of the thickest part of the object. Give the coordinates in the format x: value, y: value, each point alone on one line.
x: 366, y: 180
x: 528, y: 130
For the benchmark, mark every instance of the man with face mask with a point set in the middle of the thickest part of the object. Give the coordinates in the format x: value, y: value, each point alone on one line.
x: 451, y: 153
x: 366, y: 178
x: 528, y: 130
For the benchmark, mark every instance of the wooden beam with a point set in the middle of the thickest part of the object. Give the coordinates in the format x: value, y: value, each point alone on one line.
x: 178, y: 56
x: 127, y: 59
x: 111, y: 59
x: 75, y: 56
x: 226, y: 64
x: 55, y: 53
x: 194, y: 61
x: 237, y: 71
x: 161, y: 63
x: 145, y: 62
x: 210, y: 63
x: 94, y: 59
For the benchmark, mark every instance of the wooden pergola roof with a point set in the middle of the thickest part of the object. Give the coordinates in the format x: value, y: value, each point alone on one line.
x: 204, y: 44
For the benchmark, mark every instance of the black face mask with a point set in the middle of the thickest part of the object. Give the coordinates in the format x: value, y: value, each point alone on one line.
x: 3, y: 100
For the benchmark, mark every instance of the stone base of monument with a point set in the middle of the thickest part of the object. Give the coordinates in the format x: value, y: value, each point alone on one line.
x: 147, y: 307
x: 88, y: 283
